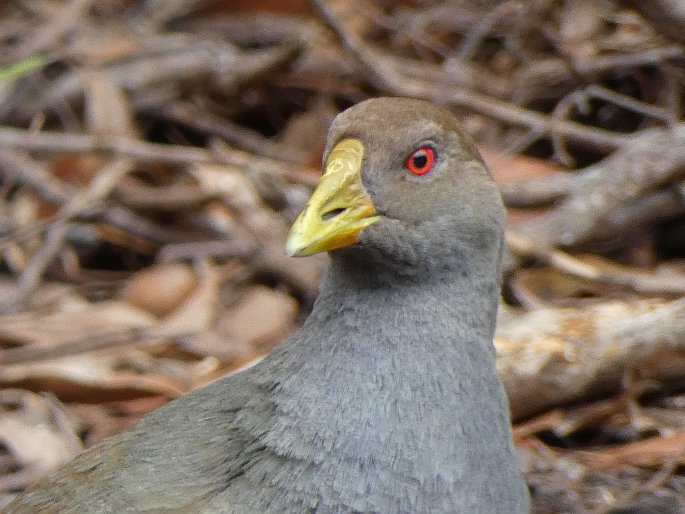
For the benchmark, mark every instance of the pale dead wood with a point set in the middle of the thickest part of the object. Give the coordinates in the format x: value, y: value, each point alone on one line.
x: 668, y: 16
x: 218, y: 61
x: 550, y: 357
x: 381, y: 71
x: 639, y: 280
x: 232, y: 133
x: 46, y: 36
x: 150, y: 152
x: 99, y: 189
x: 603, y: 196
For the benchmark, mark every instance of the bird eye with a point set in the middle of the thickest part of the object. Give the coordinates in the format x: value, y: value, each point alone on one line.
x: 421, y: 160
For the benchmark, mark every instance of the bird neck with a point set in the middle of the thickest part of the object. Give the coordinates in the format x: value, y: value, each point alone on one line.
x: 397, y: 374
x: 461, y: 297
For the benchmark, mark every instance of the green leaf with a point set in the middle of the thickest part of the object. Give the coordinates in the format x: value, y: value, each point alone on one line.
x: 17, y: 70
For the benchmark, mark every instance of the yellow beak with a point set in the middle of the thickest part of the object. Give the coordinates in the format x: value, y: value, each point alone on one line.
x: 339, y: 209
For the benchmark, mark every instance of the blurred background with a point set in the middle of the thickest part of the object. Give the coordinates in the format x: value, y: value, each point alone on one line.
x: 154, y: 153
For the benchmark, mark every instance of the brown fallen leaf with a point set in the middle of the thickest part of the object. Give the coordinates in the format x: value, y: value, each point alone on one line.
x: 507, y: 168
x: 36, y: 434
x: 71, y: 319
x: 160, y: 289
x: 98, y: 376
x: 249, y: 329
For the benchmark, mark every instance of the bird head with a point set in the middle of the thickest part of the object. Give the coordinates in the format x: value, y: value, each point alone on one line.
x: 399, y: 167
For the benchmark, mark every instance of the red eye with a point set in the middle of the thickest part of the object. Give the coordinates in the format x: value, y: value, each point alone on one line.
x: 421, y: 160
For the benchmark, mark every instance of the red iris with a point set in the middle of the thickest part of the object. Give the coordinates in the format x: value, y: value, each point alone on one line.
x: 421, y: 160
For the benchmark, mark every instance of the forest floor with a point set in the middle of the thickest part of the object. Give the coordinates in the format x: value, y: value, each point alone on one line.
x: 154, y: 154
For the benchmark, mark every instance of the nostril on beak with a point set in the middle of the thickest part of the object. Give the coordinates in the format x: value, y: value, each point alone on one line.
x: 332, y: 213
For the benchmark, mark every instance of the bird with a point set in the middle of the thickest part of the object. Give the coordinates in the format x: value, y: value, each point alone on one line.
x: 388, y: 398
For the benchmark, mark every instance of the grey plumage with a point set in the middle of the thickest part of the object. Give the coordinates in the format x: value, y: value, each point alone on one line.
x: 386, y: 401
